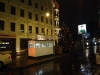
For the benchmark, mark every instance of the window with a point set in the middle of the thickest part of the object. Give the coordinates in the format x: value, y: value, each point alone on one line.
x: 51, y: 21
x: 36, y: 17
x: 22, y: 1
x: 42, y: 19
x: 30, y: 2
x: 41, y: 7
x: 42, y: 30
x: 55, y: 22
x: 21, y: 27
x: 30, y: 29
x: 51, y: 12
x: 13, y: 10
x: 21, y: 12
x: 36, y: 30
x: 51, y: 32
x: 2, y: 7
x: 47, y: 20
x: 47, y: 31
x: 46, y: 9
x: 29, y: 15
x: 1, y: 25
x: 36, y: 5
x: 12, y: 27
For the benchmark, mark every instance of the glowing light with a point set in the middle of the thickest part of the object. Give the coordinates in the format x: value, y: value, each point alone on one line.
x: 47, y: 14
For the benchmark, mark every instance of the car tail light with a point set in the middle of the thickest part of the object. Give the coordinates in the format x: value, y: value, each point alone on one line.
x: 9, y: 57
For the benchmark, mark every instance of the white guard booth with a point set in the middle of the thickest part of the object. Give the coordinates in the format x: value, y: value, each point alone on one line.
x: 40, y: 48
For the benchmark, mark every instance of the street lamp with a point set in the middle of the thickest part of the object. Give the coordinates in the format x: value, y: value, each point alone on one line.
x: 47, y: 14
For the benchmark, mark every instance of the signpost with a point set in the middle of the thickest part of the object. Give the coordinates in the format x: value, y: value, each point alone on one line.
x: 82, y: 30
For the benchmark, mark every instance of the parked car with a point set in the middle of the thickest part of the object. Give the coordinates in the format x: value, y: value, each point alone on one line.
x: 5, y: 59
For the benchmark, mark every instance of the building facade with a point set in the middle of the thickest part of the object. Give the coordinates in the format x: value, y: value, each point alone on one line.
x: 23, y: 20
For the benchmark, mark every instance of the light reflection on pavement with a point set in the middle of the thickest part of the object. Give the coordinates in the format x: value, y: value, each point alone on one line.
x: 61, y: 66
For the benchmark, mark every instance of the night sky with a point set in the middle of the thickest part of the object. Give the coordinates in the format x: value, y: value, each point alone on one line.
x: 75, y: 12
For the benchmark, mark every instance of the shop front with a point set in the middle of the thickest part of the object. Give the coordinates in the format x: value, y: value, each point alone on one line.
x: 7, y: 44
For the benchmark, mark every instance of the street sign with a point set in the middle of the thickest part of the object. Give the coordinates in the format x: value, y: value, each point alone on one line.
x: 87, y: 34
x: 82, y: 29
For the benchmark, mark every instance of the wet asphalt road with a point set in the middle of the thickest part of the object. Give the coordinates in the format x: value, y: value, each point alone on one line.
x: 62, y: 66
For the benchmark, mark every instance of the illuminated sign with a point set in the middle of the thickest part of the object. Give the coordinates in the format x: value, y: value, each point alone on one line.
x: 82, y: 29
x: 40, y: 37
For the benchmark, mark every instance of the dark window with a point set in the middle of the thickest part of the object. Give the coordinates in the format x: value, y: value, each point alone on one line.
x: 22, y: 1
x: 36, y: 30
x: 51, y: 21
x: 46, y: 9
x: 42, y: 19
x: 54, y: 13
x: 21, y: 27
x: 55, y: 23
x: 41, y: 7
x: 29, y: 15
x: 21, y: 12
x: 36, y: 5
x: 51, y: 12
x: 13, y: 10
x: 42, y: 30
x: 24, y: 43
x: 36, y: 17
x: 1, y: 25
x: 30, y: 2
x: 30, y: 29
x: 12, y: 27
x: 2, y: 7
x: 47, y: 20
x: 47, y: 31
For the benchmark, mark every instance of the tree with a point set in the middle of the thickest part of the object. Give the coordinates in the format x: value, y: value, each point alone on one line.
x: 65, y: 39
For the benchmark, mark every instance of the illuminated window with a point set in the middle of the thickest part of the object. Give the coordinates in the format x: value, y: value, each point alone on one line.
x: 30, y: 29
x: 21, y: 27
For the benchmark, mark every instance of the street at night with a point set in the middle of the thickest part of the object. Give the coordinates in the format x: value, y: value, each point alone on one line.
x: 49, y: 37
x: 78, y: 64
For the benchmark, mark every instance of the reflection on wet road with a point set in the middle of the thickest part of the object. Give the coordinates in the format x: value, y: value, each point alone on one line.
x: 62, y: 66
